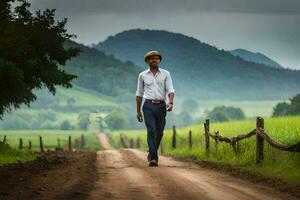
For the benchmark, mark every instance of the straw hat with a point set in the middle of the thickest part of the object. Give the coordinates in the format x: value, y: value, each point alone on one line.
x: 152, y: 53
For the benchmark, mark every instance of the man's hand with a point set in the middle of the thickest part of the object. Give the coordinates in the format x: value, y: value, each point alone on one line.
x: 169, y: 107
x: 139, y: 116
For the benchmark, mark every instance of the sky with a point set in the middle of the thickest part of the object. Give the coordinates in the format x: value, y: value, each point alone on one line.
x: 271, y: 27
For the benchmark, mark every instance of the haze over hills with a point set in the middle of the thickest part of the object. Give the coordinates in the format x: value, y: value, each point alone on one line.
x: 102, y: 73
x: 255, y: 57
x: 202, y: 71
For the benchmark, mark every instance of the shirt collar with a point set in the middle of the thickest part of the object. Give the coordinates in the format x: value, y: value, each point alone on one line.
x: 148, y: 70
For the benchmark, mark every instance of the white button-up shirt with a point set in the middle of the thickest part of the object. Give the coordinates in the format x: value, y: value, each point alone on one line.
x: 156, y: 86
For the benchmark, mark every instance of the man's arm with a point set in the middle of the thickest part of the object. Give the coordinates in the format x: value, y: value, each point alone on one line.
x: 139, y: 98
x: 170, y: 92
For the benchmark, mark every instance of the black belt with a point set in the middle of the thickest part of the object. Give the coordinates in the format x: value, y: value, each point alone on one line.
x: 154, y: 101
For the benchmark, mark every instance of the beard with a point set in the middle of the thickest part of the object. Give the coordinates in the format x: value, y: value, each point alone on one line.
x: 154, y: 64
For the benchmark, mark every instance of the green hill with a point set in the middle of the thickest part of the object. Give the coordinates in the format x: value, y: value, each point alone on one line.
x: 102, y: 73
x: 202, y: 71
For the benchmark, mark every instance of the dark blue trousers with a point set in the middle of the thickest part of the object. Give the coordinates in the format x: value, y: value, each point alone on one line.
x: 155, y: 120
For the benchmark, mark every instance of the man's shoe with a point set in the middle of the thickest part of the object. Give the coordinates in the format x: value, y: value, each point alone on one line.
x: 153, y: 163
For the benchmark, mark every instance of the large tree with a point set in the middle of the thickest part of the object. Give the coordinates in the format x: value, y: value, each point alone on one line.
x: 31, y: 53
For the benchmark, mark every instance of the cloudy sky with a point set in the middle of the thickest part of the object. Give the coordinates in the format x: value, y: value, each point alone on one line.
x: 271, y: 27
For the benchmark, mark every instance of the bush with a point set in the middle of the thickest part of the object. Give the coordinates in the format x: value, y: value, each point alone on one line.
x: 224, y: 113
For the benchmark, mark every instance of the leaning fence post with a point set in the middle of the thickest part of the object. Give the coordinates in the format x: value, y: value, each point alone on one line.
x: 206, y: 134
x: 259, y: 141
x: 4, y: 139
x: 41, y: 144
x: 174, y: 138
x: 70, y: 143
x: 190, y: 139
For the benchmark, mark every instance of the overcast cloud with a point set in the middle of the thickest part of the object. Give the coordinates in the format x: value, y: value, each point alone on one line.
x: 271, y: 27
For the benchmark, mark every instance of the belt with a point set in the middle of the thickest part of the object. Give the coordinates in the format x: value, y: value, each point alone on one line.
x: 154, y: 101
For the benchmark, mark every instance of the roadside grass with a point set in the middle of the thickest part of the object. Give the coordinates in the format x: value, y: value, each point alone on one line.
x: 9, y: 155
x: 280, y: 164
x: 10, y: 152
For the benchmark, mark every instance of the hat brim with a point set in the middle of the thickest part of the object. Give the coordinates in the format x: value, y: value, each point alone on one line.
x: 160, y: 58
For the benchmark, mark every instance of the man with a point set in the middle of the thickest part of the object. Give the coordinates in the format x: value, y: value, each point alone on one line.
x: 154, y: 84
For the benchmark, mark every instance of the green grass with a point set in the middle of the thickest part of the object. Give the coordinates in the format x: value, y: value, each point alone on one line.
x: 284, y: 165
x: 49, y: 138
x: 84, y: 97
x: 9, y: 155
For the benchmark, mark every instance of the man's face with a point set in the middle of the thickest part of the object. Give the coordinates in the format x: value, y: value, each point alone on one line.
x: 153, y: 61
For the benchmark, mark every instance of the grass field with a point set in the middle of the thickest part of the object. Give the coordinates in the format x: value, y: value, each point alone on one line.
x: 12, y: 153
x: 251, y: 109
x: 277, y: 163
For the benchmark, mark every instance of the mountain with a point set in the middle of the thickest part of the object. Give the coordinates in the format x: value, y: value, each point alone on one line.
x: 202, y: 71
x: 255, y: 57
x: 102, y: 73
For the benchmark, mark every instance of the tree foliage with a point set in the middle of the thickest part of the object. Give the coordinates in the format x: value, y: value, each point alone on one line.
x: 292, y: 108
x: 225, y: 113
x: 31, y: 51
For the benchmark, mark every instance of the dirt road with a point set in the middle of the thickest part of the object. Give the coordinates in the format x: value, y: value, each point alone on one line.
x: 124, y: 174
x: 54, y: 175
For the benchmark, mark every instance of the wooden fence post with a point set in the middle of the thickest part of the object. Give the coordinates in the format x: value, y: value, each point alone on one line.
x: 131, y: 143
x: 41, y: 144
x: 82, y: 141
x: 122, y: 141
x: 76, y: 144
x: 70, y: 143
x: 206, y: 129
x: 174, y: 138
x: 259, y: 141
x: 190, y: 139
x: 58, y: 142
x: 29, y: 145
x: 4, y: 139
x: 138, y: 142
x: 216, y: 140
x: 21, y: 144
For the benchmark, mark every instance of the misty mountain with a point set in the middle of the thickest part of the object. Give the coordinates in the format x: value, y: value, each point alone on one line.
x: 102, y: 73
x: 202, y: 71
x: 255, y: 57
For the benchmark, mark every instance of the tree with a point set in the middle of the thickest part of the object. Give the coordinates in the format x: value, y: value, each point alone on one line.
x: 84, y: 120
x: 65, y: 125
x: 117, y: 120
x: 70, y: 102
x: 31, y: 52
x: 292, y: 108
x: 281, y: 109
x: 225, y: 113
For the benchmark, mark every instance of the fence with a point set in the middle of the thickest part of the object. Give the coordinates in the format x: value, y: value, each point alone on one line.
x: 261, y: 137
x: 259, y: 132
x: 78, y: 143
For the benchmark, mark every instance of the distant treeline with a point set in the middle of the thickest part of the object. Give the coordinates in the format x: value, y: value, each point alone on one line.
x: 288, y: 108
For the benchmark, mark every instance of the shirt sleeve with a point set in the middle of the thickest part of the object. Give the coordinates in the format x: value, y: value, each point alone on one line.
x: 169, y: 84
x: 140, y: 86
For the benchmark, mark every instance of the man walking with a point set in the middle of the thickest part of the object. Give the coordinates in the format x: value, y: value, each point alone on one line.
x: 154, y: 85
